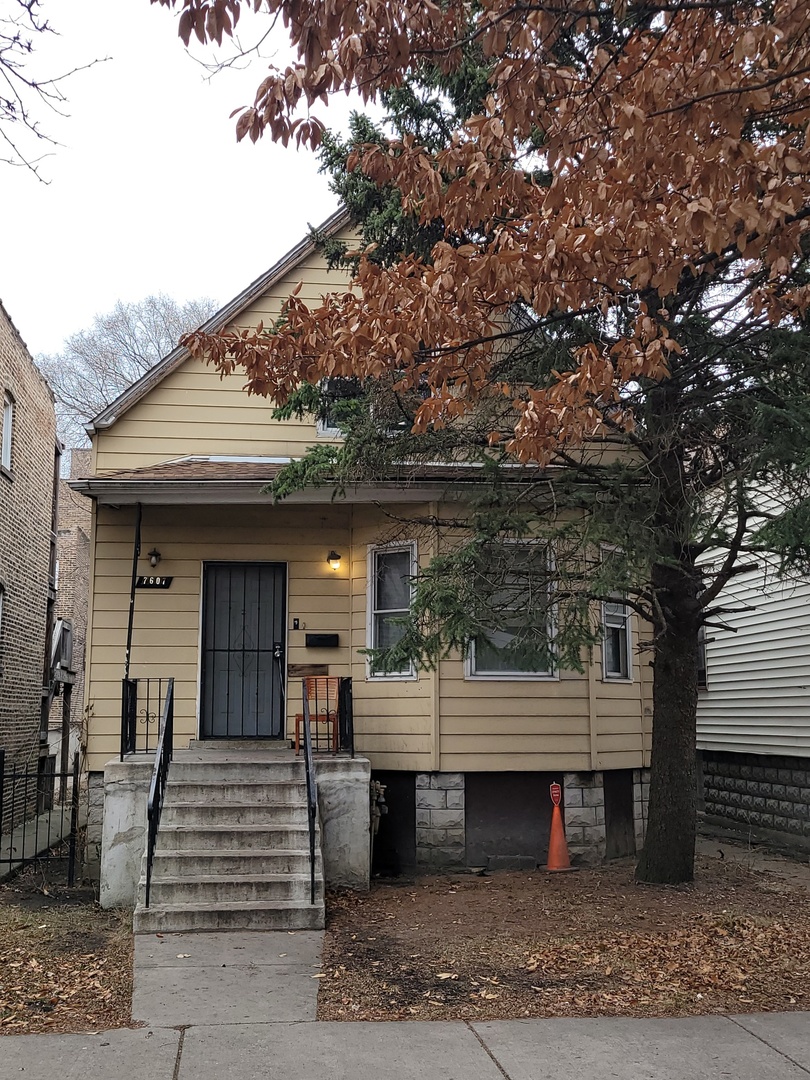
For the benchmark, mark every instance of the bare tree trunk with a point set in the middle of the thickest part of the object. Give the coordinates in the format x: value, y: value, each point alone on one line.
x: 668, y: 857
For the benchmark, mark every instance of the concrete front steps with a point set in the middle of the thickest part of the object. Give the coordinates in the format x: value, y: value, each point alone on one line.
x: 233, y: 846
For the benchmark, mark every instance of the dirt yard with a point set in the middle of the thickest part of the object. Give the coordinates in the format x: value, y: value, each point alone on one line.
x: 65, y: 965
x: 586, y: 943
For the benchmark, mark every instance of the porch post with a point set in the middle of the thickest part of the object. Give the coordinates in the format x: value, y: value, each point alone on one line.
x: 136, y: 551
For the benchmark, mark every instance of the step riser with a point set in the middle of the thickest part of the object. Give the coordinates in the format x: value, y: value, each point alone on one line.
x: 226, y: 817
x: 227, y: 814
x: 201, y: 864
x: 242, y: 746
x: 229, y: 772
x: 290, y: 792
x: 283, y: 839
x: 155, y: 921
x: 230, y: 890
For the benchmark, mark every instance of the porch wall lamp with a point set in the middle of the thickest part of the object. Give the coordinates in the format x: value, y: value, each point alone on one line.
x: 154, y: 557
x: 333, y: 559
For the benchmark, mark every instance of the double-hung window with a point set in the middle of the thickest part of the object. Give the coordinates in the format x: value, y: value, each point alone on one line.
x: 7, y: 432
x: 391, y: 570
x: 616, y: 640
x: 520, y: 647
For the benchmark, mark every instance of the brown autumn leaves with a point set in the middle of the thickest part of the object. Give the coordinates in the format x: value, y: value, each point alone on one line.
x: 677, y: 151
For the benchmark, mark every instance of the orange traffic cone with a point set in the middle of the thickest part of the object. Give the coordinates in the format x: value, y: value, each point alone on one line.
x: 558, y: 857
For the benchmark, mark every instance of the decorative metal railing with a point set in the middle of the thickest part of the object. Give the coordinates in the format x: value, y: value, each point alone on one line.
x: 160, y: 774
x: 142, y: 704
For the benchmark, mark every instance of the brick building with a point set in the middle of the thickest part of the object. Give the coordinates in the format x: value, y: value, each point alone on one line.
x: 29, y: 468
x: 74, y: 522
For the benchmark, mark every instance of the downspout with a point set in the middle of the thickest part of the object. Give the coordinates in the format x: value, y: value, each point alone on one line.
x: 136, y: 553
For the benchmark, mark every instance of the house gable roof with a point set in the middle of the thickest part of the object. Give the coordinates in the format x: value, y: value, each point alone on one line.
x: 133, y: 394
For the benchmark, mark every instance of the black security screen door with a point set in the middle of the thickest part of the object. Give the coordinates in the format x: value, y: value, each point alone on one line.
x: 243, y: 663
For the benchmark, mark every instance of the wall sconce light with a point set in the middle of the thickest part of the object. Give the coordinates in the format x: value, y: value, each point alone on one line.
x: 154, y: 557
x: 333, y: 559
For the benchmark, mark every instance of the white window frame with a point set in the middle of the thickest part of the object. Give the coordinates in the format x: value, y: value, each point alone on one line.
x: 323, y: 431
x: 7, y: 436
x: 553, y: 675
x: 608, y: 676
x: 371, y: 577
x: 627, y: 627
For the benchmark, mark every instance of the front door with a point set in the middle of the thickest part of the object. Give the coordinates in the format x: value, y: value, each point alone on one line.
x: 244, y: 616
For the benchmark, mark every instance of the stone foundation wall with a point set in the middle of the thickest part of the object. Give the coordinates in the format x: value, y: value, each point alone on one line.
x: 762, y: 796
x: 440, y: 836
x: 441, y: 829
x: 584, y: 805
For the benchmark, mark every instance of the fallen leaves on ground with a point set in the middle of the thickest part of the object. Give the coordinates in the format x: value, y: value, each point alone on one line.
x: 591, y: 943
x: 65, y: 964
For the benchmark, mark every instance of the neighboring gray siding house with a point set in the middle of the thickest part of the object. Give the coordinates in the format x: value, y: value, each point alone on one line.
x: 754, y: 715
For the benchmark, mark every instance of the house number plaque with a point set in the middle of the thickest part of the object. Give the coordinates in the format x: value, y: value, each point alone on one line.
x: 152, y: 581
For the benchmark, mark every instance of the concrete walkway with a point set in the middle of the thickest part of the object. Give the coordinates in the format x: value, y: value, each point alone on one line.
x: 226, y: 978
x: 242, y: 1007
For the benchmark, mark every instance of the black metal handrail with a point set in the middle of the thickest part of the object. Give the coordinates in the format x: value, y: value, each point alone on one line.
x: 346, y: 716
x: 129, y: 706
x: 160, y: 774
x: 312, y: 791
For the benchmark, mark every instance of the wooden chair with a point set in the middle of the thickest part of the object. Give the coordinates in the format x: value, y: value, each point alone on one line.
x: 322, y: 694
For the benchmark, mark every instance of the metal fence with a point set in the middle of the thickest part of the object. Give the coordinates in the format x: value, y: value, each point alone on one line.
x: 39, y: 812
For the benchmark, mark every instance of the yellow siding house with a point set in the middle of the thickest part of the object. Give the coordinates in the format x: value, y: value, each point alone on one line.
x: 197, y: 576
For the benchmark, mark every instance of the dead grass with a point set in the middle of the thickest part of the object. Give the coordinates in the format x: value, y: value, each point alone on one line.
x: 589, y: 943
x: 65, y: 965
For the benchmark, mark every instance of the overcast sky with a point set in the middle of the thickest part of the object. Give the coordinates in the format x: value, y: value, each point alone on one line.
x: 149, y: 191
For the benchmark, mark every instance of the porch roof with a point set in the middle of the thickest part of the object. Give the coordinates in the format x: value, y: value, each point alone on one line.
x: 222, y: 479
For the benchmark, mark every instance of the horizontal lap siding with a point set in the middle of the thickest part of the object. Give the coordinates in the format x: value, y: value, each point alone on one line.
x: 167, y: 622
x: 619, y: 721
x: 485, y: 724
x: 393, y: 718
x: 758, y: 700
x: 513, y: 725
x: 195, y: 412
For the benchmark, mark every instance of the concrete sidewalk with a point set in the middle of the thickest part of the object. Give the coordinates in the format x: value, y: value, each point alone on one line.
x: 765, y: 1047
x: 231, y: 1006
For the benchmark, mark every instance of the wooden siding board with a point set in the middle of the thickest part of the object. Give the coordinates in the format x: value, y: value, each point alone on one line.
x: 516, y: 762
x: 758, y: 699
